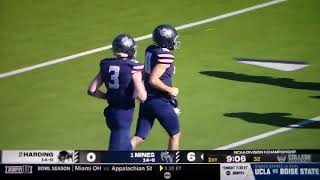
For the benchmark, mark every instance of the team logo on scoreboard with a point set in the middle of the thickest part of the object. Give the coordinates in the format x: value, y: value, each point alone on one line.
x: 65, y: 156
x: 170, y: 158
x: 25, y: 169
x: 281, y: 158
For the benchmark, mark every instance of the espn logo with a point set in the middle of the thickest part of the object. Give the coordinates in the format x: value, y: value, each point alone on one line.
x: 25, y: 169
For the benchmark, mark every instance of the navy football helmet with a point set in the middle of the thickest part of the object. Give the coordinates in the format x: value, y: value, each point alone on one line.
x: 166, y: 36
x: 124, y: 43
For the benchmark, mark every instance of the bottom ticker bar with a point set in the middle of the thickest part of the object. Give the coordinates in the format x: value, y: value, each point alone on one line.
x: 228, y: 171
x: 210, y: 171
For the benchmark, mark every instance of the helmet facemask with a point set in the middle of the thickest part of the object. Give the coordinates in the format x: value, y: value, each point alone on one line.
x: 135, y: 51
x: 176, y: 42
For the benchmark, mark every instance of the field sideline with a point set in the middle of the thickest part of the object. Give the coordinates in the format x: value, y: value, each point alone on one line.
x: 49, y: 109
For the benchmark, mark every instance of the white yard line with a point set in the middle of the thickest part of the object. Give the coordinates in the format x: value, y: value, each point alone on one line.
x: 268, y: 134
x: 67, y: 58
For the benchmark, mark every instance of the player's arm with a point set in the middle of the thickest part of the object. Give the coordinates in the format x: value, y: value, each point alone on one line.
x: 156, y: 82
x: 139, y: 88
x: 93, y: 89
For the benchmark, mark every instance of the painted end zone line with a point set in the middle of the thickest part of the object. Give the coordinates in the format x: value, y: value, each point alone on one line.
x: 270, y: 133
x: 67, y: 58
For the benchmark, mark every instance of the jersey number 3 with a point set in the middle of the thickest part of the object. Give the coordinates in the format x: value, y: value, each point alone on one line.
x: 114, y: 71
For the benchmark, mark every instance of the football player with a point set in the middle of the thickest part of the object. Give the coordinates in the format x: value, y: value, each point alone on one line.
x: 158, y: 74
x: 122, y: 76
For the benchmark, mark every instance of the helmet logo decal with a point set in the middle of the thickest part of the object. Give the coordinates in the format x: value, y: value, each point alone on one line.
x: 166, y: 32
x: 127, y: 41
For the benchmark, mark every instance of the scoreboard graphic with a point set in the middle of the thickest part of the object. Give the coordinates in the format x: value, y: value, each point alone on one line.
x: 213, y: 164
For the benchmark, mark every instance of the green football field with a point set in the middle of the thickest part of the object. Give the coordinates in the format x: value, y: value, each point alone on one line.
x: 222, y: 101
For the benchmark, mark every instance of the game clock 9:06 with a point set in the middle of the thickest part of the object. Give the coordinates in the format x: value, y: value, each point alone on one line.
x: 236, y: 159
